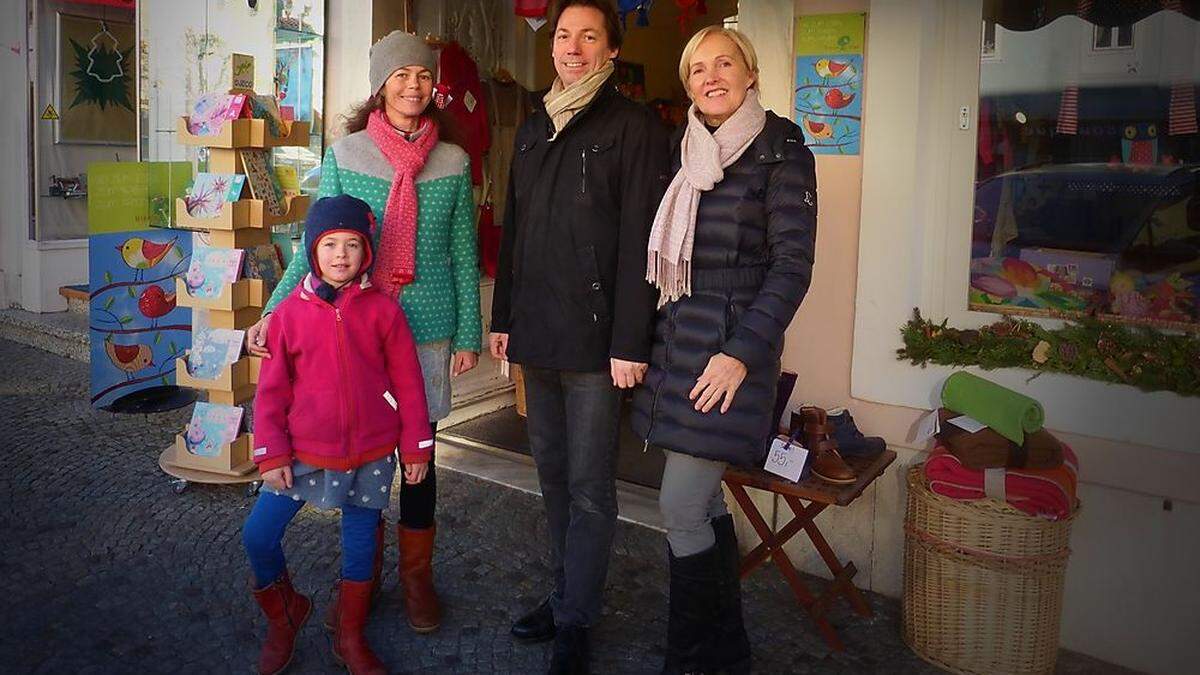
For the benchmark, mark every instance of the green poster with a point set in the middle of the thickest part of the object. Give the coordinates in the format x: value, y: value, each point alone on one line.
x: 830, y: 34
x: 126, y: 196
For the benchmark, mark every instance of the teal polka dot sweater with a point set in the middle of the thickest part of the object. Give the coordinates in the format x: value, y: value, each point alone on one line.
x: 443, y: 302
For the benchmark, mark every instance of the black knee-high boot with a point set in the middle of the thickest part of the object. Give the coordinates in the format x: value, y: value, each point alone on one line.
x: 695, y: 581
x: 732, y: 644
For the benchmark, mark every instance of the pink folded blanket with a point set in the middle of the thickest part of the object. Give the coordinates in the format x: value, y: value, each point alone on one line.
x: 1047, y: 493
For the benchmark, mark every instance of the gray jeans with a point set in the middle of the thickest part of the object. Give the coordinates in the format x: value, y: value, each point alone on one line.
x: 690, y: 498
x: 573, y: 421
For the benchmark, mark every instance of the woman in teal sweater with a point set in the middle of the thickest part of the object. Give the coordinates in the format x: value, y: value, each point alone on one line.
x: 400, y: 156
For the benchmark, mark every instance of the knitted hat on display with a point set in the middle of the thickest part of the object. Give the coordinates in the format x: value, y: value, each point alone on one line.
x: 396, y: 50
x: 328, y: 215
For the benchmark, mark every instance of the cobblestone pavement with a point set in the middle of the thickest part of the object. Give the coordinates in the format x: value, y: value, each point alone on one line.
x: 107, y: 570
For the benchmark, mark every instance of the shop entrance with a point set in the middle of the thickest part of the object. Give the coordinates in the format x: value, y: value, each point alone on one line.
x: 512, y: 59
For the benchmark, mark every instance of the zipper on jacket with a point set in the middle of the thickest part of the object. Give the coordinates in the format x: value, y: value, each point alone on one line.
x: 583, y: 182
x: 348, y: 409
x: 666, y: 364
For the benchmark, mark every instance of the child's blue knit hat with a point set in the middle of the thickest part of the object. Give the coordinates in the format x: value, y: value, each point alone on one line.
x: 342, y: 213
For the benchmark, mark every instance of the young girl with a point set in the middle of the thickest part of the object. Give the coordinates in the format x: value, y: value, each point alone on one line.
x: 341, y: 392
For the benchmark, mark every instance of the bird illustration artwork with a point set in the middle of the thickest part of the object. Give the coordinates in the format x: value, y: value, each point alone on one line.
x: 142, y: 254
x: 1139, y: 144
x: 835, y: 99
x: 155, y: 303
x: 828, y: 68
x: 129, y: 358
x: 818, y: 130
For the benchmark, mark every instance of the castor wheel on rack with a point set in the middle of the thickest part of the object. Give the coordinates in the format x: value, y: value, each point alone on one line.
x: 179, y: 485
x: 253, y: 488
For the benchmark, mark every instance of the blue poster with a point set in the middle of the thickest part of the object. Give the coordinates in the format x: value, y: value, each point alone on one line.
x: 294, y: 81
x: 137, y: 331
x: 828, y: 102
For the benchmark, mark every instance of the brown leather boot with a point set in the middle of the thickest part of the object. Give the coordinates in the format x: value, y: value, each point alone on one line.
x: 828, y: 465
x: 286, y: 611
x: 376, y: 580
x: 350, y: 646
x: 416, y: 573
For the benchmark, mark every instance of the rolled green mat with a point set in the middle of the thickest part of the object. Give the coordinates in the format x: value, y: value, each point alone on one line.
x: 1011, y: 414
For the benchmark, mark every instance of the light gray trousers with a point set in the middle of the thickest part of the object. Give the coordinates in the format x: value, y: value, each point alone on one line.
x: 690, y: 497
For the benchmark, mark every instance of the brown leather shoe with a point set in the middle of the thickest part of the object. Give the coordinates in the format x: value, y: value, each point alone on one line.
x: 331, y: 618
x: 828, y: 464
x: 814, y: 425
x: 416, y: 574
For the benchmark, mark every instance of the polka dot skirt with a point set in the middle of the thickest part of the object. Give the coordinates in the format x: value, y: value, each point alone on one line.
x: 368, y: 486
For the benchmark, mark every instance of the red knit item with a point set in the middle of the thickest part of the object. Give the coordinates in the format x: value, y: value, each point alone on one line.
x: 457, y: 71
x: 396, y: 259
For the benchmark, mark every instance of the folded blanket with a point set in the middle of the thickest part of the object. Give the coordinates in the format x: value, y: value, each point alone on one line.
x: 1009, y: 413
x: 1047, y: 493
x: 987, y: 449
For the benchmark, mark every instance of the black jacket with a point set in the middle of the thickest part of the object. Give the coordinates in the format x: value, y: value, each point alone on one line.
x: 751, y: 265
x: 571, y: 290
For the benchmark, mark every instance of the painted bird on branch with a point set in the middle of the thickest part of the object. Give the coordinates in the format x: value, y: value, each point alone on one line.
x: 142, y: 254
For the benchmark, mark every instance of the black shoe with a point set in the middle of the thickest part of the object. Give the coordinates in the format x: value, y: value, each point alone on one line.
x: 851, y: 441
x: 732, y: 644
x: 571, y: 652
x: 536, y: 626
x: 692, y: 620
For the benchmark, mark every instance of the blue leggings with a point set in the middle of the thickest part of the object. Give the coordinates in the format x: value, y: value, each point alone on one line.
x: 262, y: 535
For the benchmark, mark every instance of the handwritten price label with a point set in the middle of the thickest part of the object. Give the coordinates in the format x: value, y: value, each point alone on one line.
x: 786, y: 458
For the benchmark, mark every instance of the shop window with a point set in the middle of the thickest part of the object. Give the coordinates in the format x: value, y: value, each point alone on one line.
x: 1087, y: 190
x: 1105, y: 38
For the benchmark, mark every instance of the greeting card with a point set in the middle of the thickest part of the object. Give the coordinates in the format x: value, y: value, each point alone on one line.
x: 213, y: 110
x: 212, y: 426
x: 210, y: 190
x: 211, y: 269
x: 213, y: 349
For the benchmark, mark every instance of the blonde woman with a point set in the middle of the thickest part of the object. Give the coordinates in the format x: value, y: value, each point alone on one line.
x: 731, y: 254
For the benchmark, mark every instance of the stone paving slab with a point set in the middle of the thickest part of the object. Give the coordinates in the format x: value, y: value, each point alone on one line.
x: 107, y: 570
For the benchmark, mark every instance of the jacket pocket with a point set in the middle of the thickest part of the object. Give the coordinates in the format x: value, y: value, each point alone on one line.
x: 593, y: 289
x: 592, y: 160
x: 315, y: 415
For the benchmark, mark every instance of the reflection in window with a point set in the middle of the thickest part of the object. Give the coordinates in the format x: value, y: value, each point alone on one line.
x: 1087, y: 193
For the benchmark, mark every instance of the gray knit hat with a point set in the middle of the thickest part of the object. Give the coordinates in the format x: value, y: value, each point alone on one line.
x: 396, y: 50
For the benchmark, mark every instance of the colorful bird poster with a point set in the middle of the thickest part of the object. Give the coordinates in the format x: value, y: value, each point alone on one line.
x: 294, y: 82
x: 96, y: 73
x: 829, y: 77
x: 137, y: 329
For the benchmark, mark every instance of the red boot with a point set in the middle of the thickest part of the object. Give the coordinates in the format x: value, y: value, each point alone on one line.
x: 350, y: 646
x: 376, y: 580
x: 286, y: 611
x: 416, y: 573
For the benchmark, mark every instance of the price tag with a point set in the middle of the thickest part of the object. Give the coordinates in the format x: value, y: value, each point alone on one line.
x: 786, y: 458
x: 928, y: 427
x: 970, y: 424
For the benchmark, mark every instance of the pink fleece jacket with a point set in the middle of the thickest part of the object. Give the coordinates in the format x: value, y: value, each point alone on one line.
x: 343, y: 386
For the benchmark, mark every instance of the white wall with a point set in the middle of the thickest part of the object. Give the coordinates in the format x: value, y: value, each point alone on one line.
x: 14, y: 146
x: 347, y: 46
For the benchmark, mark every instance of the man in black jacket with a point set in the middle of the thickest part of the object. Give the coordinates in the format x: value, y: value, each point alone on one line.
x: 572, y: 306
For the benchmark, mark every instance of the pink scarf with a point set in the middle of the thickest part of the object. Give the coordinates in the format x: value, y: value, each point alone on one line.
x: 396, y: 257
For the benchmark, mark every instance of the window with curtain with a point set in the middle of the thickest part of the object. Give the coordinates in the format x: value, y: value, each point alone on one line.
x: 1087, y: 191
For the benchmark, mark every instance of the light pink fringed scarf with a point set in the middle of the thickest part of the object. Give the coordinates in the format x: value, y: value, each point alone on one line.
x: 703, y: 158
x: 396, y: 257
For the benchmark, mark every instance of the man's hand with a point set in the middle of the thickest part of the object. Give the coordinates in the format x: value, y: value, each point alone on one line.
x: 462, y: 362
x: 498, y: 346
x: 627, y: 374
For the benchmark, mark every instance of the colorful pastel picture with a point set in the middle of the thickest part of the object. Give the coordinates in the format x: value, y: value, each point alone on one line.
x: 294, y: 82
x: 264, y: 262
x: 214, y: 349
x: 828, y: 102
x: 1015, y: 282
x: 211, y: 270
x: 211, y: 427
x: 210, y: 190
x: 137, y: 330
x: 213, y: 110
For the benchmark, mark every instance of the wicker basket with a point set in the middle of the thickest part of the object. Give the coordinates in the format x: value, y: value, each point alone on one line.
x: 983, y: 583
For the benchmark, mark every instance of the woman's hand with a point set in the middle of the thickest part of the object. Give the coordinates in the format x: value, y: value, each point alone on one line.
x: 462, y: 362
x: 721, y: 378
x: 415, y: 473
x: 280, y: 479
x: 256, y: 338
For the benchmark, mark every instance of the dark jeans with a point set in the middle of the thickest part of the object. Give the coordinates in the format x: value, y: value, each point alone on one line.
x: 417, y: 502
x: 573, y: 421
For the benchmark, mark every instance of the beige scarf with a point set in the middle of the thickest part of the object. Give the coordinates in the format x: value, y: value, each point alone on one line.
x: 563, y: 102
x: 703, y: 158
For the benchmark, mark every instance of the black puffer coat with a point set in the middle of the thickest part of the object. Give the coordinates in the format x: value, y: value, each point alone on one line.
x: 751, y: 265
